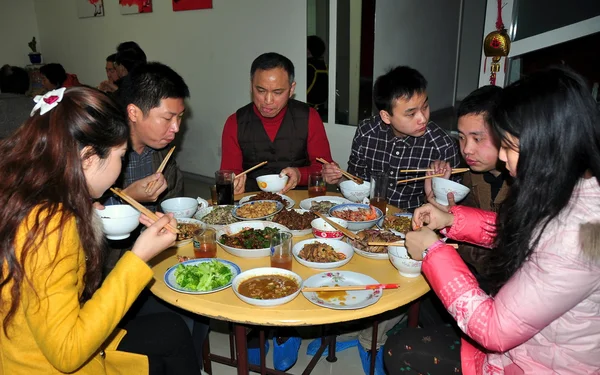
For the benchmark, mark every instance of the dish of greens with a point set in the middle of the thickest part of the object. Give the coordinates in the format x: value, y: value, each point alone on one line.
x: 201, y: 276
x: 250, y: 238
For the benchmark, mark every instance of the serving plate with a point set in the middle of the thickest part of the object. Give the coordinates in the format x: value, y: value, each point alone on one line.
x: 201, y: 213
x: 289, y: 201
x: 349, y: 300
x: 305, y: 203
x: 170, y: 281
x: 338, y: 246
x: 237, y: 227
x: 278, y: 207
x: 300, y: 232
x: 397, y: 233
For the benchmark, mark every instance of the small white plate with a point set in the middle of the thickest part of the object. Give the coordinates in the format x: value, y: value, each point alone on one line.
x: 306, y: 203
x: 354, y: 299
x: 278, y: 207
x: 172, y: 283
x: 289, y: 201
x: 338, y: 246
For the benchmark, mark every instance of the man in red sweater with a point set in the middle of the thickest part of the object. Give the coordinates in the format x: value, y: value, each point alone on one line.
x: 285, y: 132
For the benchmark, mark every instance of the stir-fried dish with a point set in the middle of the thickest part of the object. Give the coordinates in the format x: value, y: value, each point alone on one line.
x: 203, y: 276
x: 220, y: 215
x: 373, y: 235
x: 320, y: 253
x: 265, y: 196
x: 321, y: 207
x: 255, y: 210
x: 268, y: 287
x: 250, y: 238
x: 186, y: 230
x: 362, y: 214
x: 294, y: 220
x: 400, y: 224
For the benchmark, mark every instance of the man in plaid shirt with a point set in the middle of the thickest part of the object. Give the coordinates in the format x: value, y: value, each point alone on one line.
x: 399, y: 137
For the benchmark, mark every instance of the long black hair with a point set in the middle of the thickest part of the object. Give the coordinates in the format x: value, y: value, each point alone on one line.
x: 556, y: 121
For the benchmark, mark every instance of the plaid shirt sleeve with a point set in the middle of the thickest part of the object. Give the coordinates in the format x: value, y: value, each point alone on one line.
x: 357, y: 164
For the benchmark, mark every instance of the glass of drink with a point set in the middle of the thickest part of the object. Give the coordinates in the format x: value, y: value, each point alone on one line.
x: 205, y: 243
x: 281, y: 250
x: 379, y: 188
x: 224, y: 181
x: 213, y: 194
x: 316, y: 185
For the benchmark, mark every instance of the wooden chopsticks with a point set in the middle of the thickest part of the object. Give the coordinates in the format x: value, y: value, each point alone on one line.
x: 349, y: 287
x: 141, y: 208
x: 346, y: 232
x: 352, y: 177
x: 161, y: 168
x: 400, y: 243
x: 251, y: 169
x: 455, y: 171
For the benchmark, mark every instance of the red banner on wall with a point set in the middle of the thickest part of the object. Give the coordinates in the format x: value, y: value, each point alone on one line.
x: 191, y: 4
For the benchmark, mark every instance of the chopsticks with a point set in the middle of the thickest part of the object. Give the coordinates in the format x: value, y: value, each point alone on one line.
x: 251, y: 169
x: 346, y: 232
x: 352, y: 177
x: 161, y: 168
x: 400, y: 243
x: 349, y: 287
x: 141, y: 208
x: 455, y: 171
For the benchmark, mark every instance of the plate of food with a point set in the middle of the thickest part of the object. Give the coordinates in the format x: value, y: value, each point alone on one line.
x: 297, y: 221
x: 398, y: 224
x: 201, y: 276
x: 322, y: 204
x: 267, y: 286
x: 264, y: 196
x: 362, y: 248
x: 186, y: 228
x: 359, y: 216
x: 256, y: 210
x: 322, y: 253
x: 248, y: 239
x: 216, y: 216
x: 342, y: 300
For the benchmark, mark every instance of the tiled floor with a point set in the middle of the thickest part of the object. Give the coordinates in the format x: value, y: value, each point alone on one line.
x: 348, y: 362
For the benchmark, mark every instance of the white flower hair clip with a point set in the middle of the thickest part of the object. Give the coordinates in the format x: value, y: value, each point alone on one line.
x: 48, y: 101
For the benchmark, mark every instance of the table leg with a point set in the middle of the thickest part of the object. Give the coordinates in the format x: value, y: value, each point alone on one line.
x: 413, y: 314
x: 231, y: 342
x: 206, y: 362
x: 373, y: 347
x: 331, y: 355
x: 263, y: 360
x: 241, y: 349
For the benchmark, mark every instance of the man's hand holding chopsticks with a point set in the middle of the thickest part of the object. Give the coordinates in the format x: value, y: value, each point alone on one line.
x: 137, y: 190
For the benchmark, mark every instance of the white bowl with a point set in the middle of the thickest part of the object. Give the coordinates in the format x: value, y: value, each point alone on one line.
x: 322, y: 229
x: 181, y: 207
x: 406, y: 267
x: 265, y: 271
x: 237, y: 227
x: 355, y: 192
x: 119, y: 220
x: 441, y: 188
x: 357, y: 225
x: 271, y: 183
x: 338, y: 246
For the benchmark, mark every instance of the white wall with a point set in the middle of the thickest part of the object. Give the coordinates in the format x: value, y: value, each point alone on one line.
x: 212, y: 49
x: 17, y: 26
x: 423, y: 35
x: 473, y: 18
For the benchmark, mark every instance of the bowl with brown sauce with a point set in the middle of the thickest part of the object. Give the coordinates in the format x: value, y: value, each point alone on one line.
x: 322, y: 253
x: 267, y: 286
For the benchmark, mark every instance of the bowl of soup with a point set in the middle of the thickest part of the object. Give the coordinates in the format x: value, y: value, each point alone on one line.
x: 267, y: 286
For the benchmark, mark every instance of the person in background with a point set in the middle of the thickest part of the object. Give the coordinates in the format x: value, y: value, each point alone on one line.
x: 54, y: 76
x: 129, y: 56
x: 15, y: 106
x: 541, y: 313
x: 109, y: 85
x: 57, y: 316
x: 285, y: 132
x: 317, y: 77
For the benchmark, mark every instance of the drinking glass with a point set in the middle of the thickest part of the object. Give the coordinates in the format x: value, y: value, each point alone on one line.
x: 316, y: 185
x: 224, y: 181
x: 378, y: 194
x: 205, y: 243
x: 213, y: 194
x: 281, y: 250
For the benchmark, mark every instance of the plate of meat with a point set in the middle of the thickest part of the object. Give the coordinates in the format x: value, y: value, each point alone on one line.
x: 362, y: 248
x: 322, y: 253
x: 297, y: 220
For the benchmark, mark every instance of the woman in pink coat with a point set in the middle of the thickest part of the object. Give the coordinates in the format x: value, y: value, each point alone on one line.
x: 543, y: 313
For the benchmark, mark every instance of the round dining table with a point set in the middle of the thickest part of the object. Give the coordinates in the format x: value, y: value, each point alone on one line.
x: 224, y: 305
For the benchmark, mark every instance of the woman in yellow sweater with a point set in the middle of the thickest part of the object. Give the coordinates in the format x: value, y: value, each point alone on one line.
x: 57, y: 315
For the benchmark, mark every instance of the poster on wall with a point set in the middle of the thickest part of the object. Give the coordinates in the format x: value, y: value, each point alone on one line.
x: 191, y: 4
x: 90, y: 8
x: 135, y: 6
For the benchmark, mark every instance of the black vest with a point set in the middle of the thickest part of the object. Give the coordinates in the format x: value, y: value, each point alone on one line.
x: 288, y: 149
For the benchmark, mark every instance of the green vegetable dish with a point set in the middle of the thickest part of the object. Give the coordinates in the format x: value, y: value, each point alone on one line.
x: 250, y: 238
x: 203, y: 277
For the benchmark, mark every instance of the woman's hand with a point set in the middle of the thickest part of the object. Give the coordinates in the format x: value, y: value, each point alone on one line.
x: 418, y: 240
x: 431, y: 217
x: 155, y: 238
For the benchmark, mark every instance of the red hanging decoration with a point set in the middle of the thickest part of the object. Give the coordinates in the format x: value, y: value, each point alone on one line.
x: 496, y: 45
